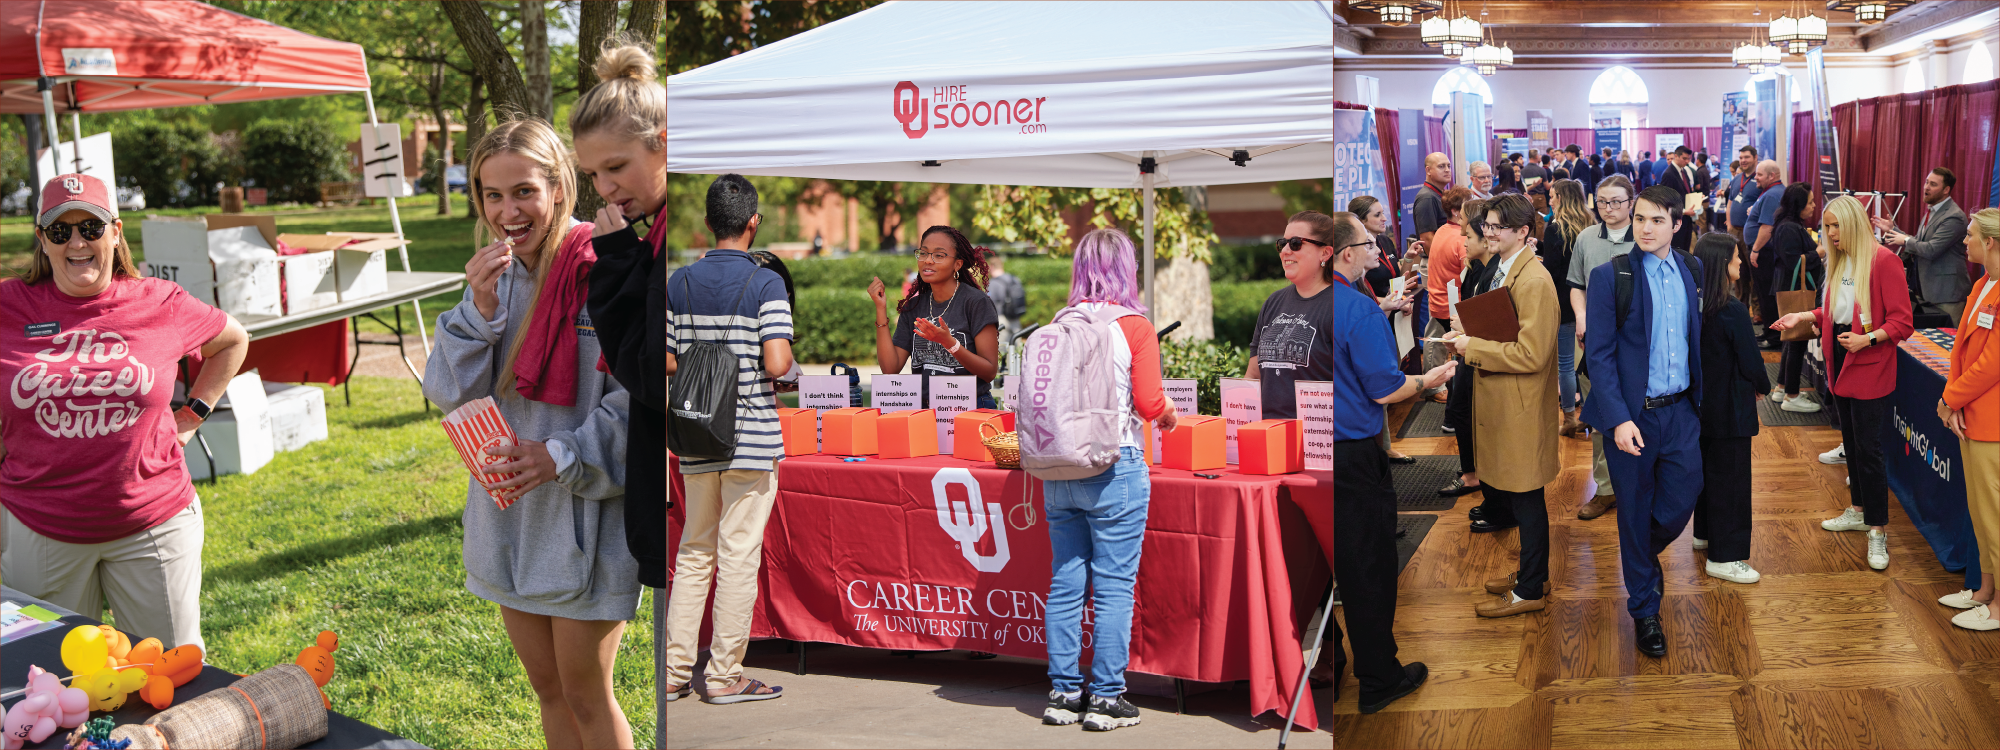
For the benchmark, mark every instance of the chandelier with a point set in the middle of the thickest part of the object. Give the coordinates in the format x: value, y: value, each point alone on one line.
x: 1397, y: 12
x: 1800, y: 33
x: 1488, y: 59
x: 1756, y: 56
x: 1450, y: 37
x: 1869, y: 11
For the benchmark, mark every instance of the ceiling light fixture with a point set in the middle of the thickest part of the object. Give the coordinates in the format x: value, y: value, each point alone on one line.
x: 1798, y: 34
x: 1451, y: 37
x: 1869, y: 11
x: 1397, y: 12
x: 1488, y: 59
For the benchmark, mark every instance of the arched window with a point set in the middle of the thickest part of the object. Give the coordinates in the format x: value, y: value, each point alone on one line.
x: 1913, y: 78
x: 1460, y: 79
x: 1618, y: 85
x: 1978, y: 63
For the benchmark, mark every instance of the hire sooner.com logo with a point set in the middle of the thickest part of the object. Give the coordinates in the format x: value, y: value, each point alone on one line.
x: 954, y: 108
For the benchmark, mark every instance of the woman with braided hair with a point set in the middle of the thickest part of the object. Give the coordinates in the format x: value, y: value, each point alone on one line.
x: 945, y: 325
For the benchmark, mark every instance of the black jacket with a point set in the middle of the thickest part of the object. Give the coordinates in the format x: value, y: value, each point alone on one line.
x: 1555, y: 252
x: 628, y: 304
x: 1789, y: 245
x: 1732, y: 373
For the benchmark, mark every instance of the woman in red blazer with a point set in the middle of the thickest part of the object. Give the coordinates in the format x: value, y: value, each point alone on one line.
x: 1971, y: 409
x: 1864, y: 310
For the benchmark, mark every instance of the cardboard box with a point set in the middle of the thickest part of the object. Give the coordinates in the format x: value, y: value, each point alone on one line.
x: 972, y: 445
x: 1271, y: 446
x: 1196, y: 444
x: 246, y: 272
x: 238, y: 431
x: 310, y: 283
x: 363, y: 265
x: 849, y: 431
x: 800, y: 428
x: 191, y: 252
x: 907, y: 434
x: 177, y: 250
x: 298, y: 415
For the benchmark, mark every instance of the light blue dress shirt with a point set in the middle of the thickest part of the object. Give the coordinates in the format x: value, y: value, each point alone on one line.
x: 1667, y: 355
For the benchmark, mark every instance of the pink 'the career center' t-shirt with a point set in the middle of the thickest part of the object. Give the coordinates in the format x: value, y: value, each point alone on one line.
x: 91, y: 451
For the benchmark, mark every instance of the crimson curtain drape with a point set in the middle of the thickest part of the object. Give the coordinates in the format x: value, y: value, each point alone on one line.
x: 1387, y: 124
x: 1890, y: 143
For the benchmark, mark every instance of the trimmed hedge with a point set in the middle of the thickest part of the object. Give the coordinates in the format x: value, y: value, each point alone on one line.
x: 1205, y: 362
x: 1236, y: 308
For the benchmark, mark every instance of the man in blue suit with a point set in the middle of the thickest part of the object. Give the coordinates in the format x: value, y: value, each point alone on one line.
x: 1646, y: 384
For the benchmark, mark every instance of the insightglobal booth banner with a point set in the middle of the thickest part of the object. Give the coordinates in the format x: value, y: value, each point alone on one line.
x: 1357, y: 158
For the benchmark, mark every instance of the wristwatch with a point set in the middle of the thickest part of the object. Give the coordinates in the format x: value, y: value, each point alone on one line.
x: 199, y: 408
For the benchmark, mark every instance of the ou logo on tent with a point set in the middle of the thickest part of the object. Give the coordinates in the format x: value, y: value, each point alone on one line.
x: 968, y: 521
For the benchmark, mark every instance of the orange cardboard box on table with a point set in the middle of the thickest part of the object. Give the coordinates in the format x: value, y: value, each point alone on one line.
x: 907, y: 434
x: 800, y: 428
x: 849, y: 431
x: 1271, y: 446
x: 967, y: 423
x: 1196, y: 444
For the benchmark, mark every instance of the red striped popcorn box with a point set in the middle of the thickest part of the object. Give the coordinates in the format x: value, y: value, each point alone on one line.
x: 473, y: 428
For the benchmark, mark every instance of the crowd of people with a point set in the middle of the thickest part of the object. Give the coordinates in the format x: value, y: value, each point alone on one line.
x: 1669, y: 372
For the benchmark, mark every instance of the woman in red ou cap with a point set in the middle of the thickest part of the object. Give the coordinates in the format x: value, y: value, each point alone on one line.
x: 95, y: 500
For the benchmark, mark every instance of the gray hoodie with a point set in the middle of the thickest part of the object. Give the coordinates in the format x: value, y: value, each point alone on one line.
x: 560, y: 549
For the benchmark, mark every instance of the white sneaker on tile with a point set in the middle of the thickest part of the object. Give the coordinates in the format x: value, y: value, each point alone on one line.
x: 1802, y: 404
x: 1836, y: 456
x: 1878, y: 549
x: 1778, y: 395
x: 1736, y: 572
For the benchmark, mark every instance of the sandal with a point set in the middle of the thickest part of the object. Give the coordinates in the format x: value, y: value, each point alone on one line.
x: 753, y: 690
x: 983, y: 656
x: 677, y: 693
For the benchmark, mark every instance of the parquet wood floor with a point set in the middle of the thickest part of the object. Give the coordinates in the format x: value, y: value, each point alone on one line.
x: 1822, y: 653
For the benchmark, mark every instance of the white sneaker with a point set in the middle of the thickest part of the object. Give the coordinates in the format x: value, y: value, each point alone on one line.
x: 1960, y: 600
x: 1836, y: 456
x: 1878, y: 549
x: 1849, y: 520
x: 1778, y: 395
x: 1804, y: 404
x: 1737, y: 572
x: 1848, y: 480
x: 1700, y: 543
x: 1978, y: 618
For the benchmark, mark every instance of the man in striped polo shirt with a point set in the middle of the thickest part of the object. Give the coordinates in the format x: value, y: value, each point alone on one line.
x: 727, y: 297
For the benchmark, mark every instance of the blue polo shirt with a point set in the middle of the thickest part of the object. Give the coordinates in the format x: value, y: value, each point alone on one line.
x: 1364, y: 363
x: 1763, y: 212
x: 1742, y: 193
x: 1667, y: 351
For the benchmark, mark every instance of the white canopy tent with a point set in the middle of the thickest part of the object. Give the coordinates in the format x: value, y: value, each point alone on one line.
x: 1073, y: 94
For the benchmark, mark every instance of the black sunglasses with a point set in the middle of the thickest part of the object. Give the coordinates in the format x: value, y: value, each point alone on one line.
x: 58, y: 232
x: 1295, y: 242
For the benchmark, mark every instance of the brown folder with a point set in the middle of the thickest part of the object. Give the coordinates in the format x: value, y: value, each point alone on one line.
x: 1490, y: 316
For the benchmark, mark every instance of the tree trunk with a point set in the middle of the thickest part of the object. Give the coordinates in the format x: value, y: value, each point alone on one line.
x: 475, y: 129
x: 1182, y: 293
x: 436, y: 91
x: 647, y: 19
x: 594, y: 25
x: 535, y: 58
x: 490, y: 57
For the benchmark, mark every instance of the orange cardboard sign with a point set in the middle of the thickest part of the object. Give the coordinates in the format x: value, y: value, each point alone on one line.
x: 1271, y: 446
x: 967, y: 423
x: 1196, y: 444
x: 800, y: 428
x: 849, y: 431
x: 907, y: 434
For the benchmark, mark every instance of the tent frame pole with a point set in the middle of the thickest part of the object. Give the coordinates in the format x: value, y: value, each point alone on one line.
x: 1146, y: 170
x: 396, y: 222
x: 48, y: 85
x: 76, y: 143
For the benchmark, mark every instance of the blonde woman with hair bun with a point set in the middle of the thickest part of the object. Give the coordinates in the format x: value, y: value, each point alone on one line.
x: 1970, y: 408
x: 1864, y: 310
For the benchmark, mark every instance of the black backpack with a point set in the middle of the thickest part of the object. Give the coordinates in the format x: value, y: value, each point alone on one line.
x: 701, y: 400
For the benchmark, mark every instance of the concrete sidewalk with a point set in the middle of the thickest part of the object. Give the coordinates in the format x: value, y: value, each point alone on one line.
x: 864, y: 698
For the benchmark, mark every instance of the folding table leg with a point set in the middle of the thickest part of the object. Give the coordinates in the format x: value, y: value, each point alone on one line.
x: 802, y: 656
x: 406, y: 360
x: 1180, y: 696
x: 355, y: 326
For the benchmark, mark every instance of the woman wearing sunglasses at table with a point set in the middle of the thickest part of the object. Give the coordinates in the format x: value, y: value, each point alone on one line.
x: 95, y: 492
x: 1294, y: 334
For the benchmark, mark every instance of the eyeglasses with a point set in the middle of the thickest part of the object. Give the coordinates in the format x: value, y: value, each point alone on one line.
x: 1491, y: 227
x: 1294, y: 243
x: 58, y: 232
x: 1357, y: 244
x: 1613, y: 204
x: 935, y: 257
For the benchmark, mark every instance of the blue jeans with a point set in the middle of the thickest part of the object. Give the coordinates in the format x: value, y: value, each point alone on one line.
x: 1566, y: 363
x: 1096, y: 526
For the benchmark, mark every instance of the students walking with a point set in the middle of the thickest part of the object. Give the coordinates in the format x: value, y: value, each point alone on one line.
x: 1732, y: 379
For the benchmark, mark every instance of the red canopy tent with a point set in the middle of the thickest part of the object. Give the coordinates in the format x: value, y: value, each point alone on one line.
x: 79, y: 56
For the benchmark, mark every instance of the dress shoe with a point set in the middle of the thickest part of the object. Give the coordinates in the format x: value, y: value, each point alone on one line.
x: 1505, y: 606
x: 1405, y: 460
x: 1483, y: 526
x: 1597, y: 506
x: 1458, y: 488
x: 1652, y: 640
x: 1414, y: 674
x: 1503, y: 584
x: 1478, y: 513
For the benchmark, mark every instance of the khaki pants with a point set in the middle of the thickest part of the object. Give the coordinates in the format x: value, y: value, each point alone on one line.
x: 1599, y: 470
x: 153, y: 578
x: 724, y: 542
x: 1982, y: 498
x: 1954, y: 309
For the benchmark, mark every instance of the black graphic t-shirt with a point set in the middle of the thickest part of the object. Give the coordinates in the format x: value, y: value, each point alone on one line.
x: 968, y: 312
x: 1293, y: 342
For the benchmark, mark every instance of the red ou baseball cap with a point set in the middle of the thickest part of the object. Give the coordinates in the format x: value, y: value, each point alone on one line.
x: 72, y: 191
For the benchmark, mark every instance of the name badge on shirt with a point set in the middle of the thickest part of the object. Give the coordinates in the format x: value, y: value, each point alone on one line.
x: 38, y: 330
x: 1986, y: 319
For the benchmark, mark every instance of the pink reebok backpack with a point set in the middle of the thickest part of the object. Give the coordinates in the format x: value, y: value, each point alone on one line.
x: 1068, y: 413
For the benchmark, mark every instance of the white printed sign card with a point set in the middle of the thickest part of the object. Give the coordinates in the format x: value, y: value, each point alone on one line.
x: 1183, y: 392
x: 1242, y: 403
x: 951, y: 395
x: 822, y: 392
x: 1315, y: 399
x: 894, y: 393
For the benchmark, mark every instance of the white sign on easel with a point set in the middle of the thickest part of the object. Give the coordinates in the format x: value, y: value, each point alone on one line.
x: 1242, y: 403
x: 952, y: 395
x: 96, y: 160
x: 1184, y: 393
x: 1315, y: 400
x: 894, y: 393
x: 382, y: 161
x: 822, y: 392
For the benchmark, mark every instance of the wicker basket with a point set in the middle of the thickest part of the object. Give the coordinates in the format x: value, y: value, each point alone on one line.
x: 1005, y: 446
x: 277, y: 708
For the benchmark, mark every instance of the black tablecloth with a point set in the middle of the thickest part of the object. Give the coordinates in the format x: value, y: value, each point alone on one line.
x: 45, y: 650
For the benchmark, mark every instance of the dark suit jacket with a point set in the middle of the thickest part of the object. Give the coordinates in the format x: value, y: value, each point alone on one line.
x: 1619, y: 356
x: 1732, y: 373
x: 1684, y: 237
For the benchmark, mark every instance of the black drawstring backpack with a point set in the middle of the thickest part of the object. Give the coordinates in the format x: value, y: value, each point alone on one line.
x: 701, y: 401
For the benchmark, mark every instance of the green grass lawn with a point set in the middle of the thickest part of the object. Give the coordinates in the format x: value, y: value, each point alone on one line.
x: 360, y: 534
